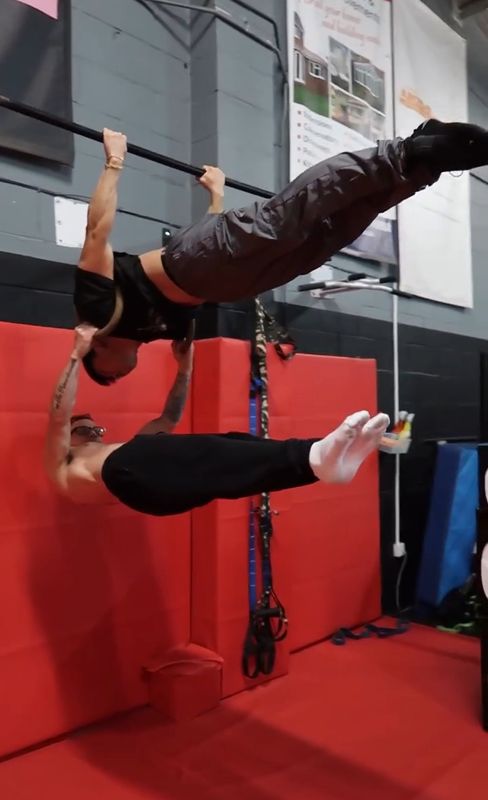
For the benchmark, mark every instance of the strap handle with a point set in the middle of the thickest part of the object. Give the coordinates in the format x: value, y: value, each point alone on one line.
x: 115, y: 318
x: 259, y: 653
x: 276, y: 334
x: 381, y: 631
x: 268, y: 329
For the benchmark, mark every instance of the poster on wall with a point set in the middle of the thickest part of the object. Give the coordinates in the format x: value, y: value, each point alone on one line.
x: 35, y: 59
x: 341, y: 92
x: 433, y: 226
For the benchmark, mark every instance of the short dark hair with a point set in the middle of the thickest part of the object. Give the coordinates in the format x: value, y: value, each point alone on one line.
x: 91, y: 371
x: 77, y: 417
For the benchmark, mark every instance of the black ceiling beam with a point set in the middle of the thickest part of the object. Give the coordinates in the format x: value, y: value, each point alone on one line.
x: 470, y: 8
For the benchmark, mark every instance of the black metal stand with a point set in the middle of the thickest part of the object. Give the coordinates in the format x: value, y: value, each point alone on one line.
x: 482, y: 542
x: 484, y: 677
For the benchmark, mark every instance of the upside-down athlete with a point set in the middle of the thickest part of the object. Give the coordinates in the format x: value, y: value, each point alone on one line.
x: 237, y: 254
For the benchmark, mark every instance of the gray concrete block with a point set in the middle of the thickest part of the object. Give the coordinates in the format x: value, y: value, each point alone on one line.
x: 19, y: 212
x: 171, y: 33
x: 205, y: 122
x: 244, y: 53
x: 248, y: 87
x: 250, y: 21
x: 244, y: 123
x: 204, y: 151
x: 129, y: 56
x: 203, y: 80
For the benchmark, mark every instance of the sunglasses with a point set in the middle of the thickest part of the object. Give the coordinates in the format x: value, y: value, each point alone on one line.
x: 90, y: 431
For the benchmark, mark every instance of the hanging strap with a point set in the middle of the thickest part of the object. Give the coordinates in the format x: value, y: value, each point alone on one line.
x: 267, y: 616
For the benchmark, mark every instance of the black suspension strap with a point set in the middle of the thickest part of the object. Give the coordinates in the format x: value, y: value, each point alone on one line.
x: 267, y: 616
x: 341, y: 636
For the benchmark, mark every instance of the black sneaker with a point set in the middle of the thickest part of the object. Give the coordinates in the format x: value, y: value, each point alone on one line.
x: 434, y: 127
x: 447, y: 146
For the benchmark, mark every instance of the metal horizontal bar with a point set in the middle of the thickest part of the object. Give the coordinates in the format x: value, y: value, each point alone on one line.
x: 336, y: 287
x: 141, y: 152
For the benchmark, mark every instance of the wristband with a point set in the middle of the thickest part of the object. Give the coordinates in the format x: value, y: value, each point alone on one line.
x: 110, y: 165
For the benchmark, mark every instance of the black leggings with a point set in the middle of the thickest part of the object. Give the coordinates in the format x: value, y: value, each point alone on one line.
x: 163, y: 474
x: 244, y: 252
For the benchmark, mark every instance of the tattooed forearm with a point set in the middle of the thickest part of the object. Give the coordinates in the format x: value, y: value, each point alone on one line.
x: 173, y: 410
x: 61, y: 387
x: 175, y: 403
x: 64, y: 395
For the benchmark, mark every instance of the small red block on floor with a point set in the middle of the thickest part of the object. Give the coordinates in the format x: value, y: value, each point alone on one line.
x: 185, y: 682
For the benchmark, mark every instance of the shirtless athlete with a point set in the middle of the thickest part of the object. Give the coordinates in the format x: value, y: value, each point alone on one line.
x: 161, y: 474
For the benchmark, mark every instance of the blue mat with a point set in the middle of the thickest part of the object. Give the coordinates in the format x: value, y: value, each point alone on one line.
x: 450, y: 534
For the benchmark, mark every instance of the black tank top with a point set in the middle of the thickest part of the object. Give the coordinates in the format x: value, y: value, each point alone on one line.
x: 147, y: 315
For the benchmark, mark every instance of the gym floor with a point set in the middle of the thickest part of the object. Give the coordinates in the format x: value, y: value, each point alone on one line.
x: 391, y: 719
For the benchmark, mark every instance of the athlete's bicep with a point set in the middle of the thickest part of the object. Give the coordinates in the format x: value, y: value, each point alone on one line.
x: 97, y: 254
x: 57, y: 450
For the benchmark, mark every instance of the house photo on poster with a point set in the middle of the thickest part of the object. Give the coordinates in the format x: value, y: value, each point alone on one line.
x: 341, y: 92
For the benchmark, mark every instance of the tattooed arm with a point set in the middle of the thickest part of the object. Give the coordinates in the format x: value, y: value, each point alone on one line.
x: 175, y: 403
x: 58, y: 435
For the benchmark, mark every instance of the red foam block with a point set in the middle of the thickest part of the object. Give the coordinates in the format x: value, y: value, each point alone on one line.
x: 185, y: 682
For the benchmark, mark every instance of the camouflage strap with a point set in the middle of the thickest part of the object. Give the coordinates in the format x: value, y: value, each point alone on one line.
x: 267, y: 616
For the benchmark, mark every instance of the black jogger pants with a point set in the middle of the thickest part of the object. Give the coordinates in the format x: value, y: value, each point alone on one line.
x: 243, y: 252
x: 162, y: 474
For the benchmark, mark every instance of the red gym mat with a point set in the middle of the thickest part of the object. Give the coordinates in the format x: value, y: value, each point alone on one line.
x: 394, y: 719
x: 88, y: 595
x: 93, y: 595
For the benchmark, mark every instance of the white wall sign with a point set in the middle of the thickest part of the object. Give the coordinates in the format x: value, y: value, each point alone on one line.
x: 70, y: 222
x: 434, y: 225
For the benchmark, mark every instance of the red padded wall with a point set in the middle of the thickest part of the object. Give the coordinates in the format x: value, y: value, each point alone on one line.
x: 326, y: 544
x: 88, y: 596
x: 331, y: 532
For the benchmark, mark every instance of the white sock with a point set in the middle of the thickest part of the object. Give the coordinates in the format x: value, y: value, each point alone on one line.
x: 337, y: 457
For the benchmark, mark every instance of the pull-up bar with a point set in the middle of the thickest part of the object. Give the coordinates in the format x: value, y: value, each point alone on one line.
x: 134, y: 149
x: 353, y: 283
